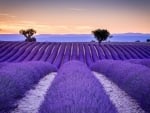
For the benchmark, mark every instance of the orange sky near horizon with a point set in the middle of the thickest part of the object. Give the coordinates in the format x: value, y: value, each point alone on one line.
x: 74, y: 19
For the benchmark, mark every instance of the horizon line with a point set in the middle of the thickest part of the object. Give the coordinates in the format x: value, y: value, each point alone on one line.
x: 76, y: 33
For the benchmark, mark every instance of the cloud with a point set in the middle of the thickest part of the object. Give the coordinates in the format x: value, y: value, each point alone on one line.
x: 61, y: 27
x: 28, y: 22
x: 7, y: 18
x: 7, y: 15
x: 84, y: 27
x: 76, y: 9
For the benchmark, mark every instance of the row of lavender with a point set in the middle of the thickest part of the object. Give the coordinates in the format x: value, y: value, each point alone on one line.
x: 59, y: 53
x: 76, y: 90
x: 132, y: 76
x: 17, y: 78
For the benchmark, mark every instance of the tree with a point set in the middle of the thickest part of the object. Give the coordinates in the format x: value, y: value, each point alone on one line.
x: 28, y: 34
x: 137, y: 41
x: 148, y: 40
x: 111, y: 36
x: 92, y: 40
x: 101, y: 34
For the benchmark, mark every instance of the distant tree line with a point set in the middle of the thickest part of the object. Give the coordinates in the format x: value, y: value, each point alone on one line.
x: 103, y: 34
x: 148, y: 40
x: 99, y: 34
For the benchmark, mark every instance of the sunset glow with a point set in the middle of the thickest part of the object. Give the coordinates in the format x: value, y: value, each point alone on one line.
x: 74, y: 17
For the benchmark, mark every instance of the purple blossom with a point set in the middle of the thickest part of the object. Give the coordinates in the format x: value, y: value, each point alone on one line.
x: 133, y: 78
x: 145, y: 62
x: 17, y: 78
x: 76, y: 90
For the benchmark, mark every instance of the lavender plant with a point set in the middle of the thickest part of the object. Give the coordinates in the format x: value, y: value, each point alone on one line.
x: 47, y: 52
x: 26, y: 53
x: 145, y: 62
x: 76, y: 90
x: 17, y: 78
x: 132, y: 78
x: 40, y: 52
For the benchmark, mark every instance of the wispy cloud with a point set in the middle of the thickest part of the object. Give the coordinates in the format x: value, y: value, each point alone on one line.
x: 45, y: 28
x: 7, y: 18
x: 7, y: 15
x: 28, y: 22
x: 61, y: 27
x: 84, y: 27
x: 77, y: 9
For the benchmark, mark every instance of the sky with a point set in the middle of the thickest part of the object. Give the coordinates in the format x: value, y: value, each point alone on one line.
x: 74, y: 16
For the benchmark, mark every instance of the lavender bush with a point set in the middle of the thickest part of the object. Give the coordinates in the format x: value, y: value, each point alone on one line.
x: 125, y: 52
x: 141, y: 51
x: 58, y: 60
x: 119, y: 53
x: 12, y: 52
x: 136, y: 51
x: 76, y: 90
x: 145, y: 62
x: 94, y: 53
x: 40, y: 52
x: 74, y: 55
x: 146, y: 50
x: 4, y: 46
x: 54, y: 53
x: 33, y: 53
x: 100, y: 52
x: 107, y: 52
x: 26, y: 53
x: 131, y: 52
x: 88, y: 56
x: 67, y: 54
x: 3, y: 64
x: 18, y: 53
x: 3, y: 43
x: 17, y: 78
x: 81, y: 53
x: 85, y: 52
x: 133, y: 78
x: 47, y: 52
x: 6, y: 50
x: 113, y: 52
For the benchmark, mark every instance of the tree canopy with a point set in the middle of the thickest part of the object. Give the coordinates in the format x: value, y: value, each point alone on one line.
x: 148, y: 40
x: 28, y: 34
x: 101, y: 34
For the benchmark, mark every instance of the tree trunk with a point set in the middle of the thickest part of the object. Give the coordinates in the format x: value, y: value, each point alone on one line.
x: 99, y: 42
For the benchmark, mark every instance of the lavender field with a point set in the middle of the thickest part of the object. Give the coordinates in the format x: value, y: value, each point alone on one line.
x: 74, y: 77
